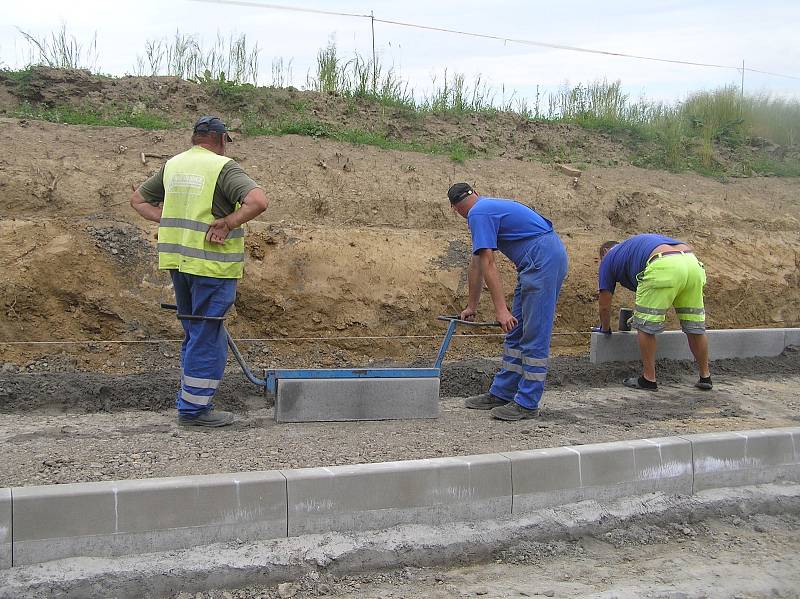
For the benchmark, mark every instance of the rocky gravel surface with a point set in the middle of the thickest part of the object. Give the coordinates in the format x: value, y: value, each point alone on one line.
x: 730, y: 557
x: 74, y: 427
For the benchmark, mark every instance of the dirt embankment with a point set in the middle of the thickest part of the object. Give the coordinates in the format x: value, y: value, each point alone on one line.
x: 357, y: 241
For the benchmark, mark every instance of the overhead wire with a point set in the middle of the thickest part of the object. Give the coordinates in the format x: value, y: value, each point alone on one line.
x: 501, y: 38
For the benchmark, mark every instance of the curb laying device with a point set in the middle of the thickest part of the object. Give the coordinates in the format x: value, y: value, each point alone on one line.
x: 341, y: 394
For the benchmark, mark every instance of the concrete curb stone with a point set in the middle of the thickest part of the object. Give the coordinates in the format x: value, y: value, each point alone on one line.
x: 142, y: 516
x: 603, y: 471
x: 150, y: 515
x: 723, y: 344
x: 732, y: 459
x: 381, y: 495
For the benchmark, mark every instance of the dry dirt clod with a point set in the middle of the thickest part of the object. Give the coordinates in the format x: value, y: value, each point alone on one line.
x: 570, y: 170
x: 286, y: 590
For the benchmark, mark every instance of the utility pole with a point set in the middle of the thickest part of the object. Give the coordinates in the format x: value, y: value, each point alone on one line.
x: 374, y: 61
x: 742, y: 93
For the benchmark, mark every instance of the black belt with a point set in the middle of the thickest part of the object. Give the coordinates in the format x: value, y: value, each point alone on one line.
x: 655, y: 257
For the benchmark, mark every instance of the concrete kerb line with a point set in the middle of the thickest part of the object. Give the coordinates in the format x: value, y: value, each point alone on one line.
x: 230, y: 507
x: 723, y: 344
x: 270, y: 562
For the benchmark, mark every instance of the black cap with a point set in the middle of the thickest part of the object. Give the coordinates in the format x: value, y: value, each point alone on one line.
x: 211, y: 124
x: 459, y: 191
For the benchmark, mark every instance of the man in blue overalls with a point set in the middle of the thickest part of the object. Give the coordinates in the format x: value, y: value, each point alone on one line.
x: 528, y: 240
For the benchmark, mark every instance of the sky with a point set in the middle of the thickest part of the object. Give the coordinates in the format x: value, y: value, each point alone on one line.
x: 762, y: 34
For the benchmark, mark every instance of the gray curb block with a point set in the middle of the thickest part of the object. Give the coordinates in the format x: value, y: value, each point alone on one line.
x: 271, y: 562
x: 722, y: 343
x: 111, y: 519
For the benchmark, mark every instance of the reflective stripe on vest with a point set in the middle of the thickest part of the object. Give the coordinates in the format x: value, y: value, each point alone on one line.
x: 189, y: 182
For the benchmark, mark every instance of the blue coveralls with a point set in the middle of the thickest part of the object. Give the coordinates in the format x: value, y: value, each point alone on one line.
x: 541, y: 261
x: 205, y: 347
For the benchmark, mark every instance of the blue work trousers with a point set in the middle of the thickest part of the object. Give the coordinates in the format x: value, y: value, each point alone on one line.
x: 527, y: 345
x: 205, y: 345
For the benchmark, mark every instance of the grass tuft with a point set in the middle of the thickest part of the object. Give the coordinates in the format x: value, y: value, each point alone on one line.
x: 706, y: 131
x: 72, y: 116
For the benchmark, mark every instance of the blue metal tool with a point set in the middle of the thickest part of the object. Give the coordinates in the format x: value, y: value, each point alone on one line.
x: 273, y: 376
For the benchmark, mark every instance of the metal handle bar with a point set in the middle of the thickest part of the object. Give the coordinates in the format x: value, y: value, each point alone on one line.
x: 468, y: 322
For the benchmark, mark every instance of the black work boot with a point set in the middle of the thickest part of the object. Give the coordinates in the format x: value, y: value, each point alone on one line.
x: 704, y: 383
x: 513, y: 411
x: 486, y: 401
x: 208, y: 419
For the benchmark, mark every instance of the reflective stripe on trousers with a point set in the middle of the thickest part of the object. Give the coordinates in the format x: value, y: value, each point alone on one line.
x: 527, y: 346
x: 205, y: 345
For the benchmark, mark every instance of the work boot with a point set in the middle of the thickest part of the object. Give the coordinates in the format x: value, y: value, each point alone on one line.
x: 485, y: 401
x: 208, y: 419
x: 704, y: 383
x: 513, y: 411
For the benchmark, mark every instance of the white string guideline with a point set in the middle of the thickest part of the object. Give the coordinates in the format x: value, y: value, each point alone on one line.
x: 272, y: 339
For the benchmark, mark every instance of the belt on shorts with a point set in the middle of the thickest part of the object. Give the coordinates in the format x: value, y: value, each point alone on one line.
x: 655, y: 257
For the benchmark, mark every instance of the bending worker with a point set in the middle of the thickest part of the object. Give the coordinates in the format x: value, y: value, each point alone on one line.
x: 529, y: 241
x: 200, y: 199
x: 664, y: 272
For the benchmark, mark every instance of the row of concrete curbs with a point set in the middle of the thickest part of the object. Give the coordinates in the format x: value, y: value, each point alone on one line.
x: 39, y: 524
x: 722, y: 344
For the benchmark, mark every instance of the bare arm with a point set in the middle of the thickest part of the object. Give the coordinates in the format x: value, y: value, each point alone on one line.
x: 146, y: 210
x: 604, y: 304
x: 475, y: 281
x: 253, y: 204
x: 495, y: 285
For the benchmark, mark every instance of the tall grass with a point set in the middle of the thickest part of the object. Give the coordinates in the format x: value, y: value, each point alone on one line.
x: 455, y: 94
x: 231, y: 59
x: 603, y: 104
x: 776, y: 119
x: 281, y: 72
x: 358, y: 77
x: 60, y: 50
x: 680, y: 135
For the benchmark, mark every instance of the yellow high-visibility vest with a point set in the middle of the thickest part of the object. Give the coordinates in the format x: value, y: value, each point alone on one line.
x: 189, y: 182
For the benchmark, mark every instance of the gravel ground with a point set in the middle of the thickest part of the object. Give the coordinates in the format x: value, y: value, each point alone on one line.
x: 75, y: 427
x: 724, y: 558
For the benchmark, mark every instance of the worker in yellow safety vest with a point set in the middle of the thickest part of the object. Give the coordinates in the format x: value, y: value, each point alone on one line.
x: 201, y: 199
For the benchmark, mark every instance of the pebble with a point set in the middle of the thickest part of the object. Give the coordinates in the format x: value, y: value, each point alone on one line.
x: 323, y: 589
x: 286, y: 590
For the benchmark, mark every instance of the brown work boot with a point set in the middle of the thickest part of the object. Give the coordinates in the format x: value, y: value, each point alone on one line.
x: 207, y: 419
x: 485, y: 401
x: 513, y: 411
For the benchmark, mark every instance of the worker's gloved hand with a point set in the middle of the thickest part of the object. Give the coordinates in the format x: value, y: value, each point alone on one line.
x: 601, y: 330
